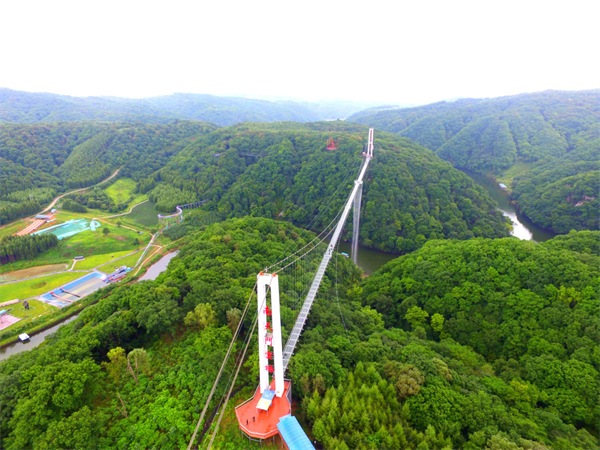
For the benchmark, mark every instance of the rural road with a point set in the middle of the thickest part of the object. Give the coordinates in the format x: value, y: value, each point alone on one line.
x: 62, y: 195
x: 77, y: 190
x: 125, y: 213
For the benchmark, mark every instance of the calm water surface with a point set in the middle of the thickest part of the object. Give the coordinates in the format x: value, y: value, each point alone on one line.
x: 158, y: 267
x: 33, y: 342
x: 523, y: 228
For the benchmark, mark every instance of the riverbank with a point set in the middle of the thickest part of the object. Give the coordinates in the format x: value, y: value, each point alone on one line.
x: 523, y: 227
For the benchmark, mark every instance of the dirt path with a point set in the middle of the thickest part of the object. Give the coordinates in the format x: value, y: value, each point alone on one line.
x: 122, y: 226
x: 124, y: 214
x: 78, y: 190
x: 160, y: 247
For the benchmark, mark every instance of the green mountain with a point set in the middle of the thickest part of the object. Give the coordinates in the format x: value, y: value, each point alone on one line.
x: 530, y: 310
x: 39, y: 161
x: 534, y: 143
x: 26, y: 107
x: 284, y: 170
x: 478, y: 344
x: 564, y: 194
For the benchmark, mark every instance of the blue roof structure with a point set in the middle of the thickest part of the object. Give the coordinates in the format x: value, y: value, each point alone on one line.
x: 268, y: 394
x: 293, y: 435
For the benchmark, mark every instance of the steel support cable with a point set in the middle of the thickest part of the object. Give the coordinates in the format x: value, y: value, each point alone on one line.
x: 311, y: 223
x: 307, y: 252
x: 224, y: 407
x: 239, y: 365
x: 212, y: 391
x: 337, y: 255
x: 315, y: 246
x: 306, y: 245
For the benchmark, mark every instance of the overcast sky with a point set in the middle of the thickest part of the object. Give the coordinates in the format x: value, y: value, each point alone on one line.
x: 405, y: 52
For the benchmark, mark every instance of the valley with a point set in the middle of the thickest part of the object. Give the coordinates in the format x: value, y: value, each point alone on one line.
x: 447, y: 333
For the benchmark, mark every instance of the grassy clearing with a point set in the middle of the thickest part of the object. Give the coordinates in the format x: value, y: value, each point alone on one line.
x: 128, y: 261
x: 32, y: 272
x: 31, y: 288
x: 36, y: 308
x: 518, y: 169
x: 88, y: 244
x: 94, y: 261
x: 144, y: 215
x: 13, y: 228
x: 122, y: 191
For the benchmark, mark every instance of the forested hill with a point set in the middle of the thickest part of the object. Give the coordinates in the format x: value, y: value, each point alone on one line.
x: 39, y: 161
x: 284, y: 170
x: 507, y: 360
x: 491, y: 135
x: 564, y: 194
x: 25, y: 107
x: 545, y: 146
x: 531, y: 310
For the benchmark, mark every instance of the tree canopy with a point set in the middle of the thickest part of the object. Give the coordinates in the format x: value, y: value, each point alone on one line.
x: 283, y: 170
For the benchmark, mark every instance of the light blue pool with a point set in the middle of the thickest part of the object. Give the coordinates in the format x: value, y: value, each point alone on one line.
x: 70, y: 228
x: 75, y: 290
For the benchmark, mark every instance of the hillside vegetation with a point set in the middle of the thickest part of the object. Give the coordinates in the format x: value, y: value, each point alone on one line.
x: 545, y: 146
x: 26, y: 107
x: 284, y: 170
x: 39, y: 161
x: 363, y: 379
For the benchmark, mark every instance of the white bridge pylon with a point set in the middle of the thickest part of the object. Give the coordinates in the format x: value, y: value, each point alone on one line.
x: 269, y: 333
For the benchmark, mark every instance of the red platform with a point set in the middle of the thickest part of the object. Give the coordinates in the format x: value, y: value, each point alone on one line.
x: 265, y: 423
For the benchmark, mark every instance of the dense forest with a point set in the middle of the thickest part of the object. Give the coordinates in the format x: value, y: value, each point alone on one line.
x: 39, y: 161
x: 27, y: 107
x: 461, y: 344
x: 16, y: 248
x: 546, y: 146
x: 564, y: 194
x: 284, y: 170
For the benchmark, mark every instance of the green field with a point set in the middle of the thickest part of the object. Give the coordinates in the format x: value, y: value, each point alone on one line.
x: 91, y: 262
x: 31, y: 288
x: 87, y: 244
x: 90, y: 243
x: 13, y: 228
x: 36, y: 308
x: 144, y: 215
x: 128, y: 261
x: 121, y: 191
x: 519, y: 168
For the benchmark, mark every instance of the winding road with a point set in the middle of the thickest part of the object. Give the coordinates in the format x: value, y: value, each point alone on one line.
x: 51, y: 205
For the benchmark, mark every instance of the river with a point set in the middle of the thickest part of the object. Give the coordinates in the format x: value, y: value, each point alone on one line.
x: 34, y: 341
x: 523, y: 228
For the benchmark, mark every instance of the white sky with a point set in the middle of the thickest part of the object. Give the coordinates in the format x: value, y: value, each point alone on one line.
x: 384, y: 51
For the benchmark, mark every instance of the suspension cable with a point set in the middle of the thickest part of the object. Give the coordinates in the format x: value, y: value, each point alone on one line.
x: 212, y: 391
x: 239, y: 365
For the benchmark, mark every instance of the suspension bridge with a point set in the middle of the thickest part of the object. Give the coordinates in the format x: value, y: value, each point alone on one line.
x: 268, y: 412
